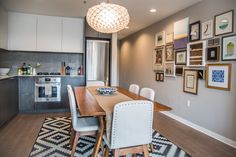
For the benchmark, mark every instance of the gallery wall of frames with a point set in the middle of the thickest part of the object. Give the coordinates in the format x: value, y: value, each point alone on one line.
x: 197, y: 50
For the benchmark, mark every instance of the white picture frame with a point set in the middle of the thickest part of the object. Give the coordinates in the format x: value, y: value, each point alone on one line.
x: 207, y: 29
x: 169, y: 69
x: 160, y: 39
x: 158, y: 59
x: 169, y: 38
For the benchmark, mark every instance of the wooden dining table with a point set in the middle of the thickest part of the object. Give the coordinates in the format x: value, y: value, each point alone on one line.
x: 88, y: 106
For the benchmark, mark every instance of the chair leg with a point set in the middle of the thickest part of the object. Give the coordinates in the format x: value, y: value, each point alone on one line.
x: 116, y: 153
x: 102, y: 148
x: 74, y: 144
x: 72, y: 136
x: 107, y: 151
x: 145, y: 150
x: 134, y: 155
x: 152, y: 147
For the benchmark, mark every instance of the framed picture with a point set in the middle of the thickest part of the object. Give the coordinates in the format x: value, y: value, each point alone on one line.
x: 190, y: 84
x: 160, y: 76
x: 179, y: 70
x: 169, y: 55
x: 196, y: 54
x: 201, y: 71
x: 170, y: 69
x: 213, y: 42
x: 224, y: 23
x: 207, y: 29
x: 212, y: 54
x: 181, y: 29
x: 218, y: 76
x: 169, y: 38
x: 229, y: 48
x: 194, y: 31
x: 158, y: 58
x: 180, y: 57
x: 160, y: 38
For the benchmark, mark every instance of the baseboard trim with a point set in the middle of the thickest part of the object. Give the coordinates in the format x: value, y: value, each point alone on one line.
x: 201, y: 129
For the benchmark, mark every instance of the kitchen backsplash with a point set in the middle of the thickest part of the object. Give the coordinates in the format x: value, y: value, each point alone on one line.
x: 50, y: 62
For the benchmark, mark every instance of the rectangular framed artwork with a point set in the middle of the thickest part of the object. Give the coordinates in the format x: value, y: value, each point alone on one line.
x: 169, y: 53
x: 160, y: 76
x: 224, y: 23
x: 194, y: 31
x: 160, y: 38
x: 158, y: 59
x: 229, y: 48
x: 207, y: 29
x: 213, y: 53
x: 181, y: 57
x: 190, y: 84
x: 170, y: 69
x: 218, y: 76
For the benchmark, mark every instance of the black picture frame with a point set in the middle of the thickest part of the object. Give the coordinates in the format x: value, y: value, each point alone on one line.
x: 198, y: 25
x: 222, y: 48
x: 212, y: 53
x: 215, y: 25
x: 179, y: 70
x: 160, y: 76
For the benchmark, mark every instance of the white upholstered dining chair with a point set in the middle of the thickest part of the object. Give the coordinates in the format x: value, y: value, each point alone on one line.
x: 82, y: 126
x: 131, y: 128
x: 134, y: 88
x: 148, y: 93
x: 95, y: 83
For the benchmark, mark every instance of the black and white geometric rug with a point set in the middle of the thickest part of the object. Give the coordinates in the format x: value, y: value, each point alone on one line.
x: 53, y: 141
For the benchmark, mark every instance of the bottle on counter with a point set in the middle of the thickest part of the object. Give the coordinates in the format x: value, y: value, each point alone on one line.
x: 19, y: 71
x: 80, y: 70
x: 29, y: 70
x: 68, y: 70
x: 63, y: 66
x: 24, y: 69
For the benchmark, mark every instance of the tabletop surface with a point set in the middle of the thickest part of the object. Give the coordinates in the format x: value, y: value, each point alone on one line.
x: 88, y: 105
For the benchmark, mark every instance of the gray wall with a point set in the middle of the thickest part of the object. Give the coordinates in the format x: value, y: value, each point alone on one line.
x: 50, y: 62
x: 212, y: 109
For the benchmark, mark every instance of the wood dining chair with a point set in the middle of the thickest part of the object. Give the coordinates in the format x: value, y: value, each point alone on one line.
x: 134, y: 88
x: 95, y: 83
x: 82, y: 126
x: 131, y: 129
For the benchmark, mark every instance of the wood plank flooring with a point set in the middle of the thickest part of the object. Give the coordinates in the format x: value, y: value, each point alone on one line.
x: 19, y: 135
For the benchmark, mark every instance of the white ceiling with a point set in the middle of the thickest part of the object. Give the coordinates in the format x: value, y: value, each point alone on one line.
x: 140, y: 17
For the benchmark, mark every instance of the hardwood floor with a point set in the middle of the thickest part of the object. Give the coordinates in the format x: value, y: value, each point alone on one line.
x: 19, y: 135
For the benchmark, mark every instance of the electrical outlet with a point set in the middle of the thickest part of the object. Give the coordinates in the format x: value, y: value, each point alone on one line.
x: 188, y: 103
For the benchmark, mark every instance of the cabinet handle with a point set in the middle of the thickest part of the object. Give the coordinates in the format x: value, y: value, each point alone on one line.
x: 12, y: 78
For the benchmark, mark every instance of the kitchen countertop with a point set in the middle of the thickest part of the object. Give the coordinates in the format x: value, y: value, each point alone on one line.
x: 7, y: 77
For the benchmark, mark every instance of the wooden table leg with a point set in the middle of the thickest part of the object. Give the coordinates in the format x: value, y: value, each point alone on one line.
x: 99, y: 136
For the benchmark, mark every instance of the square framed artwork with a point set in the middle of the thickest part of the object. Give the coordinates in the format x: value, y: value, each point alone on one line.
x: 158, y: 59
x: 213, y: 53
x: 194, y: 31
x: 229, y: 48
x: 207, y: 29
x: 213, y: 42
x: 218, y: 76
x: 170, y: 69
x: 190, y: 84
x: 160, y: 39
x: 169, y: 53
x: 179, y: 70
x: 160, y: 76
x: 224, y: 23
x: 181, y: 57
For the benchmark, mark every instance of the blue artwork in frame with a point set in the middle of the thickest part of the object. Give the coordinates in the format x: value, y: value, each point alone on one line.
x: 218, y: 76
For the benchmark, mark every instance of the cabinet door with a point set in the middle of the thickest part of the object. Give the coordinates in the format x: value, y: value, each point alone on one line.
x: 22, y: 31
x: 49, y: 34
x: 72, y: 35
x: 3, y: 29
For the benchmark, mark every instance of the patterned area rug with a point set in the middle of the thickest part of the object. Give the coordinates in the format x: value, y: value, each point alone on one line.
x: 53, y: 141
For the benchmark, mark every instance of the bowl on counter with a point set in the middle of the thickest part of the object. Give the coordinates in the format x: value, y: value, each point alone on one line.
x: 4, y: 71
x: 106, y: 90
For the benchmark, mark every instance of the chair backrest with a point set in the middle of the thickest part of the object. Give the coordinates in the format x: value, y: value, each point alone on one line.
x: 73, y: 109
x: 132, y: 124
x: 95, y: 83
x: 147, y: 93
x: 134, y: 88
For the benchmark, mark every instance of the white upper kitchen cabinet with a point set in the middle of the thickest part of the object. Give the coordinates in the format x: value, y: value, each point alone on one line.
x: 49, y: 33
x: 22, y: 31
x: 72, y: 35
x: 3, y: 28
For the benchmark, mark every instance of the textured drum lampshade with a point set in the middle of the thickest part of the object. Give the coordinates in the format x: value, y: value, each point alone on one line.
x: 107, y: 17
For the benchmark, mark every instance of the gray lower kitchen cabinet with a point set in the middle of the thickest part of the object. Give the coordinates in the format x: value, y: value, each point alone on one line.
x: 27, y: 102
x: 8, y: 99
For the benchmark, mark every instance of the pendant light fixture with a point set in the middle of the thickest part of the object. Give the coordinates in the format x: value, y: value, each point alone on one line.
x: 107, y: 17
